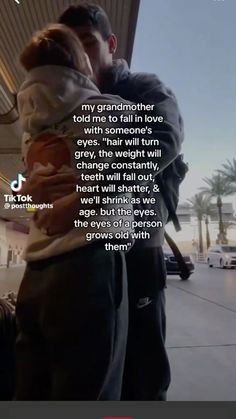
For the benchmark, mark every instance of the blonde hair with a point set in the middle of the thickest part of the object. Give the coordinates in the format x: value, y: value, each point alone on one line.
x: 55, y: 45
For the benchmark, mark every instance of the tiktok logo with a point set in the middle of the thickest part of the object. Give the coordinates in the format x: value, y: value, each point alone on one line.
x: 16, y: 184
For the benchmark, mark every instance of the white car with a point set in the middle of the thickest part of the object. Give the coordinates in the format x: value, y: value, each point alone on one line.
x: 222, y: 256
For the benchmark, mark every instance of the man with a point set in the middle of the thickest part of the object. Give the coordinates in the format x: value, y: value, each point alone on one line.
x: 147, y: 371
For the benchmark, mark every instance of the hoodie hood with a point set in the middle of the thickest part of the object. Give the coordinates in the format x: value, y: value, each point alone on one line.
x: 49, y: 94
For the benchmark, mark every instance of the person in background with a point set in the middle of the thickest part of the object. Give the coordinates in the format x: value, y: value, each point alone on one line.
x: 147, y: 369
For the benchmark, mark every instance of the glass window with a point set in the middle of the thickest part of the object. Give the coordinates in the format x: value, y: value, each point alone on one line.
x: 229, y: 249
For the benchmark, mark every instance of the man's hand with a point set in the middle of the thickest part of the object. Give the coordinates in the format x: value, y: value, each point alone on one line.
x: 60, y: 218
x: 47, y: 186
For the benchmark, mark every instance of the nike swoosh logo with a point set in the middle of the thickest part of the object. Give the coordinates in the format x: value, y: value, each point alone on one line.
x: 143, y: 302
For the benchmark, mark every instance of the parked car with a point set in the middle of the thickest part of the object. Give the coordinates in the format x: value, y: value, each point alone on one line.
x: 222, y: 256
x: 172, y: 266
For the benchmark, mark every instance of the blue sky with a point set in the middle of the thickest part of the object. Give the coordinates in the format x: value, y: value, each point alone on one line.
x: 190, y: 45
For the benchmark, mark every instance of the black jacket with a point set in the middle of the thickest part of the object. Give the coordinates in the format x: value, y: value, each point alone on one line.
x: 148, y: 89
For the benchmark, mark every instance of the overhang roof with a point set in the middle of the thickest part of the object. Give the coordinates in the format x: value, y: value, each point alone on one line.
x: 19, y: 21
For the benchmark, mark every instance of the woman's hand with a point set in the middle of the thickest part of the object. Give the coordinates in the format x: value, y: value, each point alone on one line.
x: 46, y: 185
x: 60, y: 218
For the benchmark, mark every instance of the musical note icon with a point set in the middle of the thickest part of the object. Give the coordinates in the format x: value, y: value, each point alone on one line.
x: 16, y: 184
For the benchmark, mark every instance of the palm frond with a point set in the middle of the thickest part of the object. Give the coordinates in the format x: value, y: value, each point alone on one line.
x: 218, y: 186
x: 228, y: 170
x: 201, y: 205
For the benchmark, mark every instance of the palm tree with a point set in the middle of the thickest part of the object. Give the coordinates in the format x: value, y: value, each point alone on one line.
x: 229, y: 171
x: 209, y: 211
x: 208, y: 240
x: 228, y: 225
x: 201, y: 205
x: 218, y: 186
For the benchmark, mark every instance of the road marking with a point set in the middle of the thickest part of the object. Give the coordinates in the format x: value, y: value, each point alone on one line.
x: 203, y: 298
x: 202, y: 346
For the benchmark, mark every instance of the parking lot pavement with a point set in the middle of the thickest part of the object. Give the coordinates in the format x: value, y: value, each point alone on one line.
x: 201, y: 332
x: 201, y: 335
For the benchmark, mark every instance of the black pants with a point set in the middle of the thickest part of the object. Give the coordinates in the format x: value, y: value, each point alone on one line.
x: 7, y: 351
x: 147, y: 369
x: 72, y: 327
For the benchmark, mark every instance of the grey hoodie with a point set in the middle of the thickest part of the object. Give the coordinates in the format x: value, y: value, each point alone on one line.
x: 46, y: 101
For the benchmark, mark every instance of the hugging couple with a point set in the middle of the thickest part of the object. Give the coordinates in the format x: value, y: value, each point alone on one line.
x: 90, y: 322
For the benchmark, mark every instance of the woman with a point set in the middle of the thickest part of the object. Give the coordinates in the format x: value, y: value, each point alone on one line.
x: 72, y: 304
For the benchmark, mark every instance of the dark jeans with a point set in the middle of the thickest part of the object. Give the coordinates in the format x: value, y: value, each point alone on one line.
x: 72, y: 327
x: 147, y: 369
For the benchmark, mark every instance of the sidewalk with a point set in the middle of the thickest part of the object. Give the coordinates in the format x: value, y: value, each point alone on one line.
x: 201, y: 342
x: 201, y: 332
